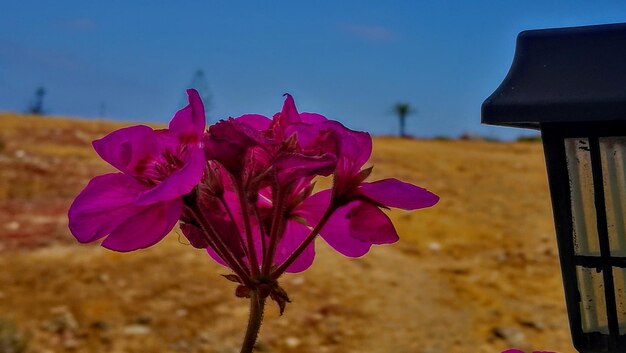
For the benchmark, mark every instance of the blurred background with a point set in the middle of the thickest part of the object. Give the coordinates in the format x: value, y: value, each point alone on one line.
x: 476, y: 273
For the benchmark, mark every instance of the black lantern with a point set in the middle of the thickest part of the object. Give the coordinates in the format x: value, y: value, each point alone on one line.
x: 570, y: 83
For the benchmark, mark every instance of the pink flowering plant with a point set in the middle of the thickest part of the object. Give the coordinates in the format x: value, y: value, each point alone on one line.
x: 243, y: 191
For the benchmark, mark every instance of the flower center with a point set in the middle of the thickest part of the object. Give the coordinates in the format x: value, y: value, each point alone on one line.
x: 161, y: 168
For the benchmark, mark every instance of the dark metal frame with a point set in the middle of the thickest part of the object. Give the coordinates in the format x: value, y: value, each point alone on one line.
x: 554, y: 135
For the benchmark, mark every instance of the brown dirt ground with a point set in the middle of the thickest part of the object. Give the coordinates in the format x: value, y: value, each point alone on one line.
x: 476, y: 273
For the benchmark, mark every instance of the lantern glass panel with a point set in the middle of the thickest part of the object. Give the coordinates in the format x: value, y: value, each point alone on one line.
x: 581, y: 188
x: 592, y: 301
x: 619, y: 278
x: 613, y: 152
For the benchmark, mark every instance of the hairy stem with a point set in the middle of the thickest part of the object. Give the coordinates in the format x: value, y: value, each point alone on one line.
x: 257, y: 304
x: 254, y: 263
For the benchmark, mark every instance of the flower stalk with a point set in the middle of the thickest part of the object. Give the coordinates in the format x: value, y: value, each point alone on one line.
x: 257, y: 306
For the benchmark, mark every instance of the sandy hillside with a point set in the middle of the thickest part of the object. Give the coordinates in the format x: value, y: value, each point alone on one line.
x: 477, y: 273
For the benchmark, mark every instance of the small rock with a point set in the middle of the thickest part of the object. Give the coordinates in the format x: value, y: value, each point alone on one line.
x: 106, y: 339
x: 502, y: 256
x: 63, y: 320
x: 144, y: 319
x: 292, y: 342
x: 71, y: 343
x: 20, y: 154
x: 530, y: 323
x: 434, y: 246
x: 100, y: 325
x: 334, y: 338
x: 222, y: 309
x: 512, y: 335
x: 136, y: 330
x: 181, y: 312
x: 297, y: 281
x: 205, y: 337
x: 104, y: 277
x: 181, y: 345
x: 82, y: 136
x: 12, y: 226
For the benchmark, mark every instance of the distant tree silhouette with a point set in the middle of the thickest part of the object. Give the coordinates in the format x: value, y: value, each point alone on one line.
x: 402, y: 110
x: 102, y: 109
x: 36, y: 106
x: 199, y: 83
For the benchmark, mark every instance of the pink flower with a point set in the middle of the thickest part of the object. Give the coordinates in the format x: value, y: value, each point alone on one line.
x: 243, y: 192
x: 290, y: 144
x: 136, y: 208
x: 357, y: 222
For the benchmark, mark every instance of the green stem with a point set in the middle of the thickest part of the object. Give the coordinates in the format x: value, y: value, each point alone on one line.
x: 257, y: 304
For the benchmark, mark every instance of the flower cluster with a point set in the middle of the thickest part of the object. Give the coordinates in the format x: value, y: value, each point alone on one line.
x: 243, y: 190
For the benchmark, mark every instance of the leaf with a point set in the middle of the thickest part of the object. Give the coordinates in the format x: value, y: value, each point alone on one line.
x: 280, y: 297
x: 242, y: 292
x: 232, y: 278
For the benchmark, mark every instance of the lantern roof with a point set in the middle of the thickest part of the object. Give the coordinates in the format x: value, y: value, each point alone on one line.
x: 575, y: 74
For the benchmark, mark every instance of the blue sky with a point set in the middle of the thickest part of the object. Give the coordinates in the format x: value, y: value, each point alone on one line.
x: 349, y: 60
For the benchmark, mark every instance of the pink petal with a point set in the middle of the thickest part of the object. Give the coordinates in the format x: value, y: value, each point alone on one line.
x: 189, y: 122
x: 145, y: 228
x: 355, y: 147
x: 215, y: 256
x: 336, y: 232
x: 395, y: 193
x: 294, y: 235
x: 313, y: 207
x: 305, y: 133
x: 228, y: 231
x: 289, y: 114
x: 105, y: 203
x: 371, y: 225
x: 194, y: 235
x: 179, y: 183
x: 129, y: 149
x: 230, y: 235
x: 312, y: 118
x: 293, y: 166
x: 256, y: 121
